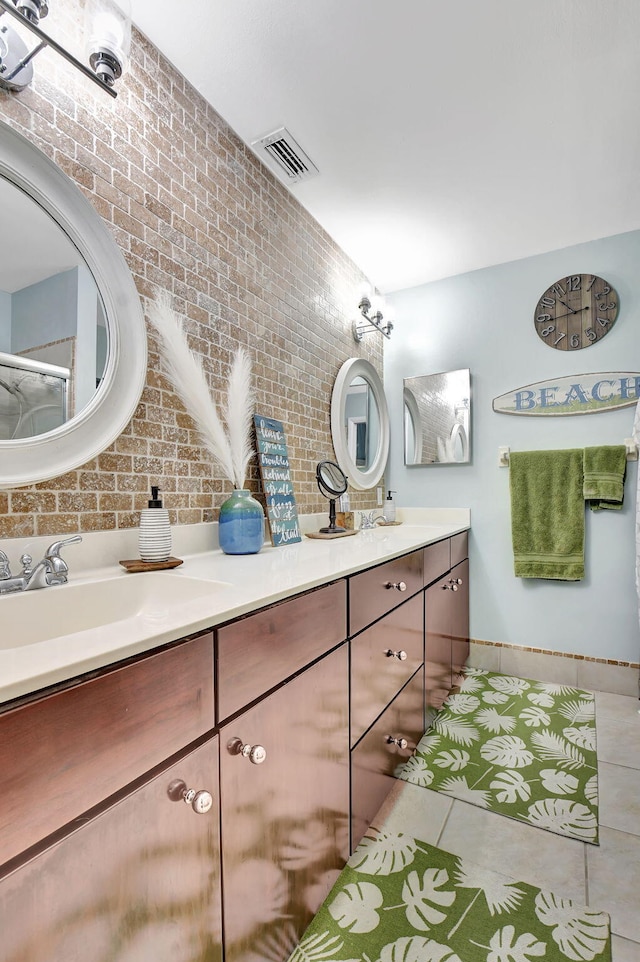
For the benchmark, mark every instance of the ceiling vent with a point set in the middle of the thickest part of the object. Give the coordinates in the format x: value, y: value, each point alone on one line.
x: 284, y: 155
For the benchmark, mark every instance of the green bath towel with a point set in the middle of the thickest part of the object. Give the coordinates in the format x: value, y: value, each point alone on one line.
x: 604, y: 470
x: 547, y: 514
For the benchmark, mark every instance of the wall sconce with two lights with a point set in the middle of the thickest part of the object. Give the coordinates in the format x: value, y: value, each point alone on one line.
x: 371, y: 318
x: 107, y: 37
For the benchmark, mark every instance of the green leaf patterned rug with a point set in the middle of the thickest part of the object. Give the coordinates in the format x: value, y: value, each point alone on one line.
x: 518, y: 747
x: 402, y: 900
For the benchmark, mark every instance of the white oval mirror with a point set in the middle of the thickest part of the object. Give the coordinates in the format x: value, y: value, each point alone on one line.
x: 360, y: 423
x: 73, y: 347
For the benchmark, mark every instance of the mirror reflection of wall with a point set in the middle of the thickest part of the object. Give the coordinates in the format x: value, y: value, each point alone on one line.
x: 437, y: 409
x: 362, y: 423
x: 51, y: 315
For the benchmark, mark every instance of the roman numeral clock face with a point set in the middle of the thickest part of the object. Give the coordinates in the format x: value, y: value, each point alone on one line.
x: 575, y: 312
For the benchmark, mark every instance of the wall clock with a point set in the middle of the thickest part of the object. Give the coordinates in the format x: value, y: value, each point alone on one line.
x: 575, y: 312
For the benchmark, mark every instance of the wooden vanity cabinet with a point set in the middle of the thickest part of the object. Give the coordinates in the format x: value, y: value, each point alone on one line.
x: 63, y: 753
x: 99, y: 855
x: 138, y: 881
x: 446, y: 634
x: 388, y: 743
x: 376, y: 591
x: 285, y: 809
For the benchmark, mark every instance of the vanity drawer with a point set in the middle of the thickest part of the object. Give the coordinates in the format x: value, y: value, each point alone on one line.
x: 260, y: 651
x: 66, y: 752
x: 437, y: 560
x: 371, y: 594
x: 376, y: 676
x: 375, y: 760
x: 459, y: 548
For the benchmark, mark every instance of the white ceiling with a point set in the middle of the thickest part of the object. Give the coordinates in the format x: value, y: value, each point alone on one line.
x: 450, y: 134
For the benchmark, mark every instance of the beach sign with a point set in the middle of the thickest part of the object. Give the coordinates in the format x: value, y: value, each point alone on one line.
x: 575, y: 394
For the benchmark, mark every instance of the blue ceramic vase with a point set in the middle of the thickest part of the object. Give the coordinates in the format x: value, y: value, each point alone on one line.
x: 241, y: 524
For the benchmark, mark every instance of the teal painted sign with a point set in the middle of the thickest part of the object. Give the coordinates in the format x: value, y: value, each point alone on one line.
x: 576, y: 394
x: 273, y: 460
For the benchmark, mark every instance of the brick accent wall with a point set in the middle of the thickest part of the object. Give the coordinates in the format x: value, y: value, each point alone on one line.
x: 195, y: 213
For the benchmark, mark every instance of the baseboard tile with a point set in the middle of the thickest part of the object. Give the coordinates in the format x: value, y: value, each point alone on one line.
x: 581, y: 671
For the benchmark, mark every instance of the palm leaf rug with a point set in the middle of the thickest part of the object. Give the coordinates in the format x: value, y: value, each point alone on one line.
x: 518, y: 747
x: 402, y: 900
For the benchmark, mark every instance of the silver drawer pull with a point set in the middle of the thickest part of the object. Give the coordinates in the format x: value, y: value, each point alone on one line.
x: 201, y: 802
x: 255, y: 753
x: 398, y: 585
x: 399, y: 741
x: 400, y: 655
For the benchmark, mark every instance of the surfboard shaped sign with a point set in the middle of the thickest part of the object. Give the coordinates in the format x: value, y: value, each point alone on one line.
x: 576, y: 394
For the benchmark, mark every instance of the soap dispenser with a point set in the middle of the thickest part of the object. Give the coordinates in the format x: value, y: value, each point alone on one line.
x: 154, y: 537
x: 389, y: 508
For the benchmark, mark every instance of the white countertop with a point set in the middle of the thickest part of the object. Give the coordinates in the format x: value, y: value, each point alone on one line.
x: 222, y: 587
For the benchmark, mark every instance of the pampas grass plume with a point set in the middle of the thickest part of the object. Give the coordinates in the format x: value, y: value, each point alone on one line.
x: 230, y: 446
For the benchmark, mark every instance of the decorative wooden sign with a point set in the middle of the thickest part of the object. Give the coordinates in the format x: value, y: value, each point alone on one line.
x: 576, y: 394
x: 273, y: 460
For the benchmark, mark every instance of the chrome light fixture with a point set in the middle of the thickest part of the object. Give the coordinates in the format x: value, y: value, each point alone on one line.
x: 108, y: 30
x: 371, y: 318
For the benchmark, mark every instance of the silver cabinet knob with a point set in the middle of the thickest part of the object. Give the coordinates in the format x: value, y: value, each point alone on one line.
x: 201, y: 801
x: 400, y: 655
x: 255, y: 753
x: 399, y: 741
x: 398, y: 585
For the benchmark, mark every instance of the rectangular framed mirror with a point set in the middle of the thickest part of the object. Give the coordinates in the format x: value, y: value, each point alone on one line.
x: 437, y: 413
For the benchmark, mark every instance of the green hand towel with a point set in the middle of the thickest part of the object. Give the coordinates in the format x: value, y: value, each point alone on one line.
x: 547, y: 514
x: 604, y: 470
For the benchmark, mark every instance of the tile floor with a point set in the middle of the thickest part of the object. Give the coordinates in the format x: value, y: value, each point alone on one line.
x: 606, y: 877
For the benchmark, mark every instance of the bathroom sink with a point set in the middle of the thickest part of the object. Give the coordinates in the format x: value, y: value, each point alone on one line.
x: 150, y: 600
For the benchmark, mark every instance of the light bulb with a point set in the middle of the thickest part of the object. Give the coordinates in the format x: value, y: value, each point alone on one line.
x: 108, y: 37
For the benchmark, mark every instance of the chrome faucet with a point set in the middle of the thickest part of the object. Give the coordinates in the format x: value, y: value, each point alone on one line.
x: 369, y: 521
x: 52, y: 570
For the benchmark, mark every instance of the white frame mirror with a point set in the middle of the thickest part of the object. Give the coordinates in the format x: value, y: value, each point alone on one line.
x: 98, y: 424
x: 359, y: 478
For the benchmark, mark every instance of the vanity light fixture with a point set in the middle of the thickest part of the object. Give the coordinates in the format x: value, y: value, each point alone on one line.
x: 371, y: 319
x: 108, y: 31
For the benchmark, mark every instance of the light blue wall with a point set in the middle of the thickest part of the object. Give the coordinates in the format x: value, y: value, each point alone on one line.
x: 484, y: 321
x: 5, y: 322
x: 46, y: 311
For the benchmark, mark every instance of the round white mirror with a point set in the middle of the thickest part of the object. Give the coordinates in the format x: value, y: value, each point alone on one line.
x: 360, y: 423
x: 73, y: 346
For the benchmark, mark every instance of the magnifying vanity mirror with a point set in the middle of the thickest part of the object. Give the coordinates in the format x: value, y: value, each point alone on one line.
x: 332, y: 484
x: 73, y: 345
x: 360, y: 423
x: 437, y: 411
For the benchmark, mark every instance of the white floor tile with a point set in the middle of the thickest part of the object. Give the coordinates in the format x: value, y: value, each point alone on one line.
x: 622, y: 950
x: 520, y: 851
x: 618, y: 729
x: 415, y: 811
x: 619, y: 798
x: 613, y: 880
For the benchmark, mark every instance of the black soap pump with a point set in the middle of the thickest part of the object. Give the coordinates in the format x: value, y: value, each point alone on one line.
x: 154, y: 537
x: 389, y: 508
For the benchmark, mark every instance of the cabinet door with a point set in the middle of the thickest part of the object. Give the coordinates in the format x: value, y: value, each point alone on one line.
x: 383, y: 659
x: 285, y: 820
x: 139, y: 882
x: 437, y: 645
x: 459, y: 621
x: 379, y: 753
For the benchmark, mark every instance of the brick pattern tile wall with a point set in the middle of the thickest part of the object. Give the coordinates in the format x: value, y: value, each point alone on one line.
x: 194, y: 213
